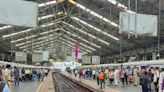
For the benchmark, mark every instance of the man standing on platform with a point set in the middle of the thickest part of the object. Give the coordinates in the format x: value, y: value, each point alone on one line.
x: 156, y: 78
x: 161, y: 81
x: 94, y: 74
x: 135, y: 74
x: 16, y: 76
x: 101, y: 79
x: 7, y: 75
x: 116, y: 76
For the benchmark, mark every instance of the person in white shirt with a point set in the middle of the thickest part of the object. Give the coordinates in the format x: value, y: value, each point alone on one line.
x: 84, y: 70
x: 94, y: 73
x: 116, y: 74
x: 161, y: 81
x: 156, y: 78
x: 46, y: 72
x: 135, y: 74
x: 76, y: 71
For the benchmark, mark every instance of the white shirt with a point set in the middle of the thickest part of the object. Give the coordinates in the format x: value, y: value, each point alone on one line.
x: 116, y: 73
x: 156, y: 75
x: 84, y: 71
x: 93, y: 72
x: 161, y: 77
x: 46, y: 71
x: 161, y: 81
x: 76, y: 71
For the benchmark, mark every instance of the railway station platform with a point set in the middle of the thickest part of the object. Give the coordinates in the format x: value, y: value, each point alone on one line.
x: 47, y: 85
x: 35, y: 86
x: 25, y: 87
x: 93, y: 84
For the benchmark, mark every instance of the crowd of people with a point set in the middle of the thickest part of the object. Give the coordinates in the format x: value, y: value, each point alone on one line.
x: 13, y: 75
x: 150, y: 78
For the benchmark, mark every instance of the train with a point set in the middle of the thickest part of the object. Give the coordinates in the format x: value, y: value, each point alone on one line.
x: 152, y: 63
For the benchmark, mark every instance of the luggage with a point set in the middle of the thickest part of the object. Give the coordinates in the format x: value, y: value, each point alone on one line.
x: 130, y: 78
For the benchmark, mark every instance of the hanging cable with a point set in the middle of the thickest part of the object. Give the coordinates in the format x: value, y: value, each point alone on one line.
x: 136, y: 3
x: 159, y: 27
x: 12, y: 45
x: 128, y: 19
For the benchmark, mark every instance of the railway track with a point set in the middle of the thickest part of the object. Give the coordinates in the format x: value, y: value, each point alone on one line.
x: 64, y: 84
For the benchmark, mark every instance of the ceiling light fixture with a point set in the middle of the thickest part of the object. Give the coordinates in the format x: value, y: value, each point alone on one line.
x: 80, y: 44
x: 95, y: 28
x: 119, y: 5
x: 80, y: 38
x: 90, y: 35
x: 72, y: 45
x: 94, y: 13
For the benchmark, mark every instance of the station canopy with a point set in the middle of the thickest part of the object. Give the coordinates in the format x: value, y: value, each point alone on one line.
x: 93, y: 24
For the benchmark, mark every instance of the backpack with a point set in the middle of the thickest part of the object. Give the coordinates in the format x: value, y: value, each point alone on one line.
x: 101, y: 76
x: 2, y: 85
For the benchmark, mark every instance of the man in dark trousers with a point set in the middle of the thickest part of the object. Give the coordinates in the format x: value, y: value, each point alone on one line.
x: 145, y: 82
x: 16, y: 76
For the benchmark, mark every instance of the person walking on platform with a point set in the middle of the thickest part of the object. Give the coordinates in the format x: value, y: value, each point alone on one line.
x: 93, y: 74
x: 27, y: 72
x: 116, y: 74
x: 90, y: 73
x: 87, y: 73
x: 46, y: 72
x: 38, y: 74
x: 42, y: 74
x: 7, y: 75
x: 150, y: 74
x: 16, y: 76
x: 161, y: 81
x: 101, y: 79
x: 156, y: 78
x: 23, y: 74
x: 84, y: 73
x: 111, y: 76
x: 97, y: 78
x: 129, y: 75
x: 122, y: 76
x: 4, y: 87
x: 106, y: 73
x: 76, y: 72
x: 145, y: 82
x: 34, y: 73
x: 135, y: 76
x: 80, y: 73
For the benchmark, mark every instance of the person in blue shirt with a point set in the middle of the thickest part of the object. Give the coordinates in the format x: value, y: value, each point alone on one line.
x: 97, y: 73
x: 4, y: 87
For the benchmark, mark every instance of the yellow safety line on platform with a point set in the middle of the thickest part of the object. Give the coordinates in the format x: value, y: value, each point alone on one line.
x: 38, y: 89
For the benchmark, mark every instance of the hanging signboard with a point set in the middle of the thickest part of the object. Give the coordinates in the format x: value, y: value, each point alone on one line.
x: 96, y: 60
x: 86, y: 59
x: 37, y: 57
x: 20, y: 56
x: 139, y: 24
x: 19, y: 13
